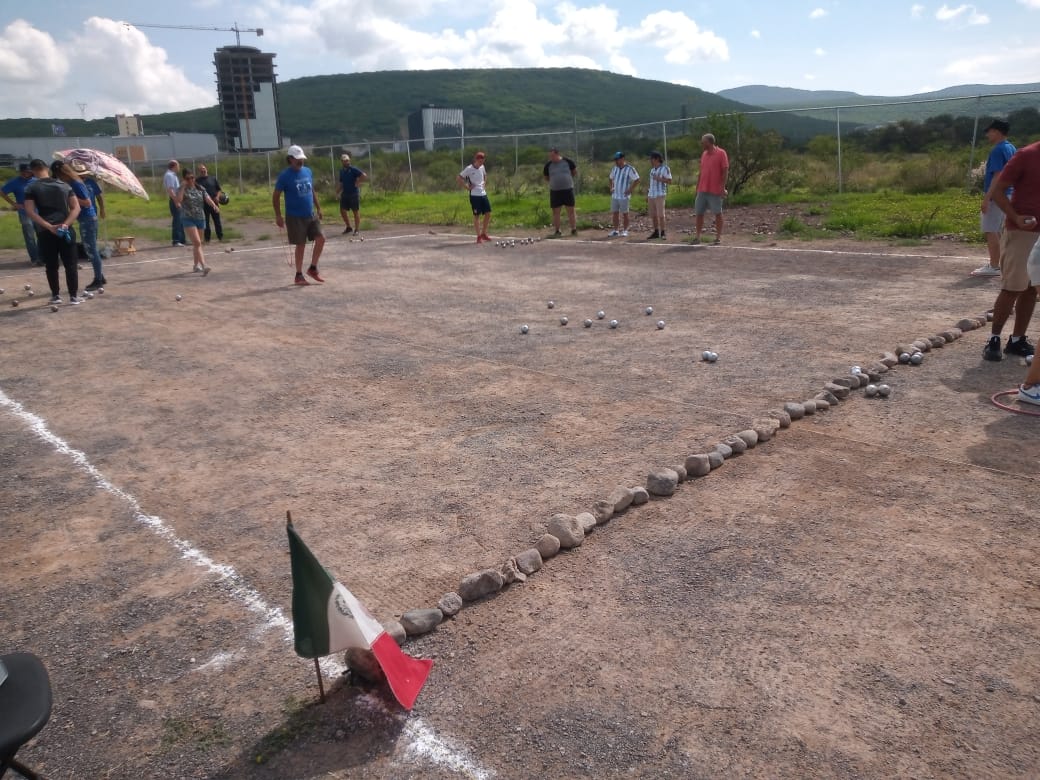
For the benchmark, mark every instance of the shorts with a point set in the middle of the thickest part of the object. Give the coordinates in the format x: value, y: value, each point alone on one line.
x: 195, y: 223
x: 1033, y: 265
x: 559, y: 198
x: 480, y: 204
x: 619, y: 205
x: 1015, y: 250
x: 992, y: 221
x: 705, y: 201
x: 302, y: 229
x: 350, y: 201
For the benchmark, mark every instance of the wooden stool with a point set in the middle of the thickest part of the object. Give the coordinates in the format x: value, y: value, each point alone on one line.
x: 124, y: 245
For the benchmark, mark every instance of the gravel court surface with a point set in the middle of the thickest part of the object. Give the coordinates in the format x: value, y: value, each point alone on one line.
x: 600, y: 429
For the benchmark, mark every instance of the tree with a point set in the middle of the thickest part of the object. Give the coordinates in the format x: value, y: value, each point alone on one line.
x: 751, y: 151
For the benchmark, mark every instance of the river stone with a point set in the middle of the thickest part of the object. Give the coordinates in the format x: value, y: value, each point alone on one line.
x: 697, y: 465
x: 567, y: 529
x: 889, y: 359
x: 479, y: 584
x: 511, y: 574
x: 661, y: 482
x: 839, y: 391
x: 639, y: 496
x: 396, y: 631
x: 783, y: 418
x: 587, y: 520
x: 951, y: 335
x: 547, y: 546
x: 874, y: 376
x: 603, y: 511
x: 827, y: 396
x: 822, y: 405
x: 845, y: 381
x: 680, y: 472
x: 923, y: 345
x: 795, y: 411
x: 879, y: 368
x: 764, y: 433
x: 749, y: 437
x: 450, y: 604
x: 809, y: 407
x: 724, y: 450
x: 715, y: 459
x: 937, y: 341
x: 735, y: 443
x: 363, y: 663
x: 421, y: 621
x: 908, y: 348
x: 965, y: 325
x: 529, y: 561
x: 621, y: 498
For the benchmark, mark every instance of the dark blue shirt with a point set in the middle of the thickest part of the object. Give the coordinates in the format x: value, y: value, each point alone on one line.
x: 83, y: 193
x: 998, y: 158
x: 16, y: 186
x: 348, y: 178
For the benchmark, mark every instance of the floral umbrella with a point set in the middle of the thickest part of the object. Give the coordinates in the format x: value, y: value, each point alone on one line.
x: 103, y: 166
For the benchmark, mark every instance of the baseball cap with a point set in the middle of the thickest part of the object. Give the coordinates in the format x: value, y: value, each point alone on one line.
x: 297, y: 152
x: 656, y: 155
x: 618, y: 155
x: 345, y: 157
x: 23, y: 167
x: 999, y: 125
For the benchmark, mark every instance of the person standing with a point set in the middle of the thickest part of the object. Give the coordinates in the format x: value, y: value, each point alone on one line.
x: 623, y: 178
x: 660, y: 178
x: 212, y: 187
x: 192, y: 201
x: 172, y: 184
x: 349, y: 193
x: 711, y: 186
x: 302, y: 220
x: 1022, y: 176
x: 53, y: 207
x: 560, y: 172
x: 87, y: 220
x: 474, y: 178
x: 992, y: 218
x: 16, y: 187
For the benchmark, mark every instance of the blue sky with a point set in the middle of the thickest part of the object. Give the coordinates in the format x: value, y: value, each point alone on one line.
x: 57, y: 55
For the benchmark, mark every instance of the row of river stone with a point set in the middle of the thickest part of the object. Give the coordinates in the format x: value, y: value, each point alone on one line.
x: 565, y: 532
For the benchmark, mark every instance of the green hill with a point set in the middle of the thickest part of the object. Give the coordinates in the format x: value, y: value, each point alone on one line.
x: 356, y: 106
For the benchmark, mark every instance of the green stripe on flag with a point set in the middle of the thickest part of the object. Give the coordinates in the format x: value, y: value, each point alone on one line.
x: 312, y: 588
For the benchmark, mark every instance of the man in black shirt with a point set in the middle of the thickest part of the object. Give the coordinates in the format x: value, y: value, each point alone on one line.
x: 53, y: 207
x: 212, y: 188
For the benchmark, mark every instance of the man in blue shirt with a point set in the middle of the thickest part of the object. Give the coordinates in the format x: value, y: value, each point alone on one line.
x: 302, y: 220
x: 992, y: 220
x: 16, y: 187
x: 349, y: 194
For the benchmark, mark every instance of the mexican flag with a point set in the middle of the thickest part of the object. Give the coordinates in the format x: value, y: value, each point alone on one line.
x: 328, y: 619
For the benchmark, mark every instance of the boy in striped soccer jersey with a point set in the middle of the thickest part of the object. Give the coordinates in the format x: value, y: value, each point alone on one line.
x: 660, y: 178
x: 623, y: 178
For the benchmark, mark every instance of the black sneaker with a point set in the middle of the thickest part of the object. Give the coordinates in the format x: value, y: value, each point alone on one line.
x: 92, y: 287
x: 1022, y: 347
x: 348, y: 229
x: 652, y: 236
x: 662, y: 234
x: 574, y: 231
x: 992, y: 350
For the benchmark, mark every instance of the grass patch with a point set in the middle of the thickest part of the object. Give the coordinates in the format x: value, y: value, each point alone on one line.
x: 182, y: 731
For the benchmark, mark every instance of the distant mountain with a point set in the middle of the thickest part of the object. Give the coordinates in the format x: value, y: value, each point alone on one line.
x: 993, y: 101
x: 356, y: 106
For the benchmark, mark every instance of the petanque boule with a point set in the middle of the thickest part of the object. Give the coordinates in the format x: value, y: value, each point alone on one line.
x: 660, y: 324
x: 54, y: 308
x: 31, y: 293
x: 28, y: 287
x: 613, y: 324
x: 1029, y: 358
x: 14, y: 302
x: 870, y: 391
x: 179, y: 297
x: 587, y: 323
x: 706, y: 355
x: 904, y: 358
x: 552, y: 304
x: 563, y: 320
x: 100, y: 290
x: 856, y: 370
x: 524, y: 329
x: 916, y: 359
x: 649, y: 310
x: 600, y: 315
x: 884, y: 391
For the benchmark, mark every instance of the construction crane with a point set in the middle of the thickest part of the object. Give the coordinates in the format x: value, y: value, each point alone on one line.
x: 235, y: 29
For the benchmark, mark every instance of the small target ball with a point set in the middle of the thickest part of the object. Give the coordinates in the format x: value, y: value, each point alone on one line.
x: 563, y: 320
x: 613, y: 323
x: 524, y: 329
x: 587, y: 323
x: 600, y: 315
x: 916, y: 359
x: 884, y: 391
x: 660, y: 324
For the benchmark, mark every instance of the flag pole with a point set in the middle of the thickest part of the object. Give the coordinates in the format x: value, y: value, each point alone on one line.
x: 321, y: 685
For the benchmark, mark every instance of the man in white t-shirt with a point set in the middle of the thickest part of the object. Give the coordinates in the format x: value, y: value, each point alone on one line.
x: 172, y: 184
x: 474, y: 178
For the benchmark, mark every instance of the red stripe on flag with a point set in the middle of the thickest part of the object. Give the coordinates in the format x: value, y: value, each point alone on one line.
x: 405, y: 674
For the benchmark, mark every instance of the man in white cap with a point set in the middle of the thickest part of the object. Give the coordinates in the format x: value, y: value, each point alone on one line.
x: 349, y: 193
x: 302, y: 220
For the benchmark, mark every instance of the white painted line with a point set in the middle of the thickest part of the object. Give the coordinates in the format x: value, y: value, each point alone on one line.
x: 423, y: 742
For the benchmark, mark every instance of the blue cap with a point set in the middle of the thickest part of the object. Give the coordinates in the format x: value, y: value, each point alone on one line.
x: 618, y: 155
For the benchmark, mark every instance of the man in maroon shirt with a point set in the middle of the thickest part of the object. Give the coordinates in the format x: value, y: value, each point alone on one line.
x: 1020, y: 233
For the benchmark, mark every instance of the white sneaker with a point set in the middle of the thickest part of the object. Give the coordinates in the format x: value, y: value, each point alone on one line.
x: 1029, y: 393
x: 986, y: 270
x: 613, y: 234
x: 624, y: 234
x: 75, y: 300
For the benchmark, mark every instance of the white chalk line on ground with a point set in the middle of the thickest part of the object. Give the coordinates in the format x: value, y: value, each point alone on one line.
x: 422, y: 741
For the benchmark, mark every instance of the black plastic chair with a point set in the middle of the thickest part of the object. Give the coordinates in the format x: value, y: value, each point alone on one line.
x: 25, y: 708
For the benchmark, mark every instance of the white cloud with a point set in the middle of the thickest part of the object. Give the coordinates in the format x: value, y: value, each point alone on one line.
x: 996, y: 67
x: 917, y: 10
x: 681, y: 38
x: 757, y: 35
x: 1030, y: 3
x: 966, y: 14
x: 809, y: 77
x: 34, y: 68
x: 819, y: 52
x: 818, y: 13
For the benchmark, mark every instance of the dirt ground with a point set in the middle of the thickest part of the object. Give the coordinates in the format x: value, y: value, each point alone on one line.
x: 856, y: 598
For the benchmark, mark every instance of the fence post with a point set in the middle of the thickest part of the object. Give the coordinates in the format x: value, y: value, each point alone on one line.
x: 241, y: 187
x: 516, y: 154
x: 837, y: 117
x: 408, y: 151
x: 974, y: 139
x: 664, y: 139
x: 270, y: 184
